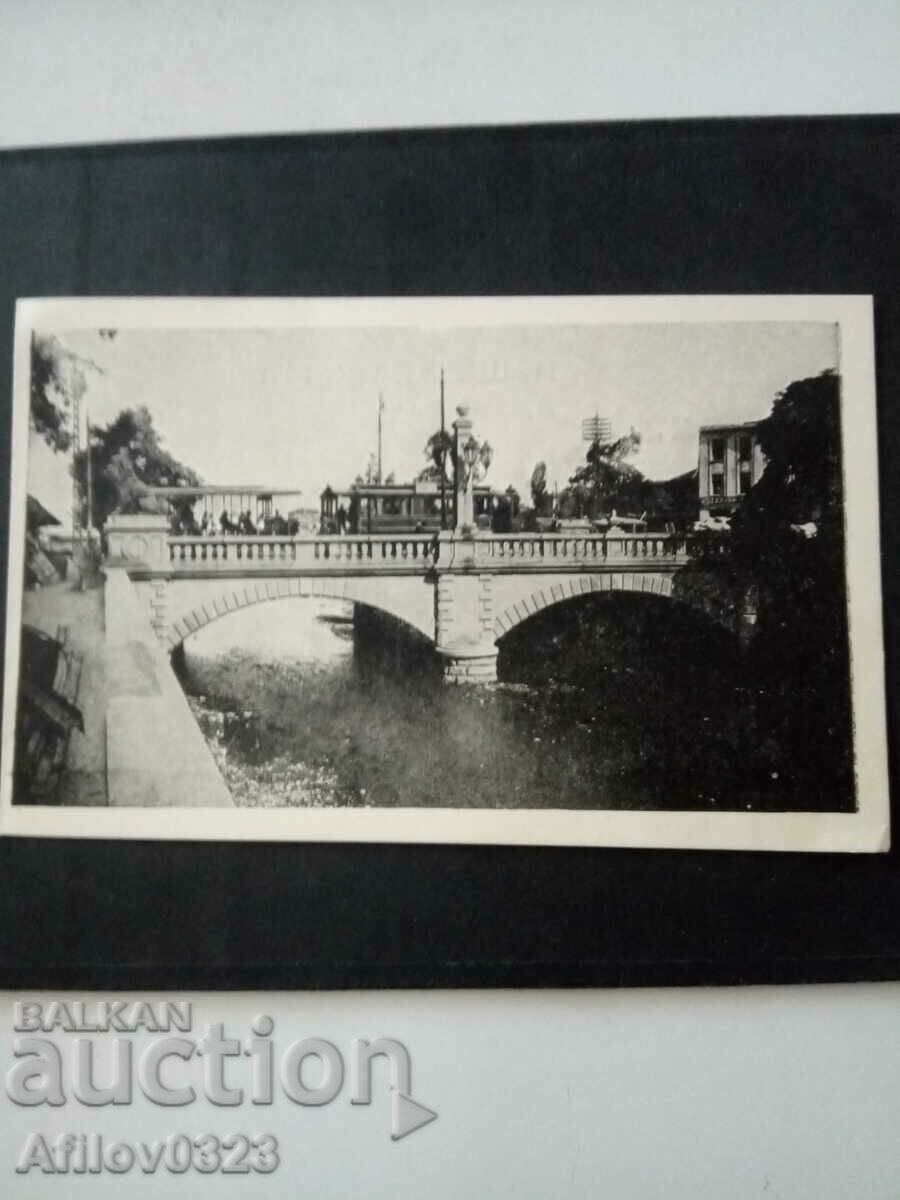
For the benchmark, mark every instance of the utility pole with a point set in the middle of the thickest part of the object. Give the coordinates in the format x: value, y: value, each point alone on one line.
x: 596, y: 429
x: 76, y: 450
x: 90, y: 477
x: 443, y: 457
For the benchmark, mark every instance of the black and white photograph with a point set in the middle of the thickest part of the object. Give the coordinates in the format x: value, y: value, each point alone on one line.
x: 573, y: 570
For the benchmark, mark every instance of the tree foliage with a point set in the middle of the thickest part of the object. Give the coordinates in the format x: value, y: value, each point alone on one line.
x: 800, y: 575
x: 787, y: 562
x: 606, y: 481
x: 440, y: 452
x: 58, y: 378
x: 127, y: 456
x: 802, y: 645
x: 801, y: 483
x: 539, y: 497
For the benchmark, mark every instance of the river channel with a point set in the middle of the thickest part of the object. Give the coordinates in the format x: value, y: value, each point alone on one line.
x: 610, y: 705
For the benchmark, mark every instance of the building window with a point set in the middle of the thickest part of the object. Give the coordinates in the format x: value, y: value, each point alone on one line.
x: 744, y: 479
x: 718, y: 485
x: 745, y: 449
x: 717, y: 449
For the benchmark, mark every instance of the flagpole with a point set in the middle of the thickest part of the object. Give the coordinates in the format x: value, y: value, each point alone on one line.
x: 443, y: 457
x: 380, y: 408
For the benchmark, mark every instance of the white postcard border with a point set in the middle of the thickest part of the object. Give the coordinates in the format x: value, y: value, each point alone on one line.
x: 866, y: 830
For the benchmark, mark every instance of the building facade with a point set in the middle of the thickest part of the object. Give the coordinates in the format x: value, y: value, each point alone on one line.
x: 730, y: 463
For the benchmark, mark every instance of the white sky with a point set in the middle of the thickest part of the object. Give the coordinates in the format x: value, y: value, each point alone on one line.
x: 298, y: 407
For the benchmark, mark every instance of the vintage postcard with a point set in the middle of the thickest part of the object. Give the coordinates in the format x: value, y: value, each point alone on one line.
x: 562, y: 571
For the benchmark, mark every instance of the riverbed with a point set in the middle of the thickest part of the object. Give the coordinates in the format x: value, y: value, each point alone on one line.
x: 612, y: 707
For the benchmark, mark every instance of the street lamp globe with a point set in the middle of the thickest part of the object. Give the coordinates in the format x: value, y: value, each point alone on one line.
x: 470, y: 452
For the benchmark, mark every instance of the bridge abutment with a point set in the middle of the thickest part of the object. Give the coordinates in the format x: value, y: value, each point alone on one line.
x: 155, y: 752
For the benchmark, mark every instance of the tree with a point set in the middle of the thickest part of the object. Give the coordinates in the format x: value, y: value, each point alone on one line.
x: 539, y: 496
x: 441, y: 453
x: 800, y: 440
x: 801, y: 648
x: 506, y: 511
x: 58, y: 377
x: 606, y: 481
x: 127, y: 457
x: 798, y: 664
x: 788, y: 534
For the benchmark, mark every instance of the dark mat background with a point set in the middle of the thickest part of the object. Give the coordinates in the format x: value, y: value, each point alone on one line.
x: 777, y: 206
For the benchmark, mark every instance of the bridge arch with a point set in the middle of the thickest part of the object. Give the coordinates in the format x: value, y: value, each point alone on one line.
x: 538, y: 595
x: 218, y: 598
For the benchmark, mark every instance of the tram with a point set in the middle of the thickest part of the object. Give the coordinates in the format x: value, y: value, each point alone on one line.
x: 403, y: 508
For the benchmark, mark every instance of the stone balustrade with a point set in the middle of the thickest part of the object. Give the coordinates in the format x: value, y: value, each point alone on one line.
x: 384, y: 552
x: 417, y: 552
x: 501, y: 550
x: 146, y: 542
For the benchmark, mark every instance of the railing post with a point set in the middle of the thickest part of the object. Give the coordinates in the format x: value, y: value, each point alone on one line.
x: 138, y: 538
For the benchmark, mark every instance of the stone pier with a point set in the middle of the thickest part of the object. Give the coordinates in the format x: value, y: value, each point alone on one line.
x: 464, y: 624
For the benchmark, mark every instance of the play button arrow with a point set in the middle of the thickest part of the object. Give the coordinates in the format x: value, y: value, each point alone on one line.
x: 407, y: 1115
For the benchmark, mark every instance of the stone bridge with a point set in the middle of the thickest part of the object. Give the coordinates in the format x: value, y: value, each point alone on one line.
x: 461, y: 593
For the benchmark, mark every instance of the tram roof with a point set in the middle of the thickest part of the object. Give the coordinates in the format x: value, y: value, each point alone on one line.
x: 419, y: 488
x: 225, y: 489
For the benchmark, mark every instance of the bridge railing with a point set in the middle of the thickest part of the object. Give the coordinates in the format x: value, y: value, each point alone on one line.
x: 417, y: 552
x: 559, y: 548
x: 249, y: 553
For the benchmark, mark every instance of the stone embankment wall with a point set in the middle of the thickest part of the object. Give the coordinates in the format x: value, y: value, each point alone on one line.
x: 156, y: 754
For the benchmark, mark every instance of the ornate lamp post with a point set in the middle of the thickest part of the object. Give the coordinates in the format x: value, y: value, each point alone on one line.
x: 465, y: 636
x: 473, y: 458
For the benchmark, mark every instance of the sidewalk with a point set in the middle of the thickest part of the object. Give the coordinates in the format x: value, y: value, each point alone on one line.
x: 83, y: 781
